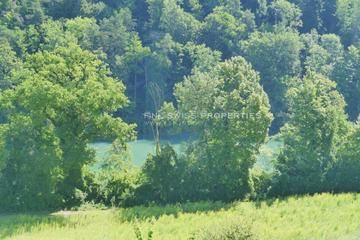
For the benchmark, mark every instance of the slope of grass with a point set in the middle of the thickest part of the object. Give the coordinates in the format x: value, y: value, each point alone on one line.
x: 318, y: 217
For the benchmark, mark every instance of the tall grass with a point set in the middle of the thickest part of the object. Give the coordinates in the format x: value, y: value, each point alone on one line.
x: 322, y: 216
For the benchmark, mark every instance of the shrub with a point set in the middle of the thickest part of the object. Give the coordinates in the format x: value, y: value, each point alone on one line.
x: 162, y: 178
x: 344, y: 174
x: 117, y: 189
x: 232, y: 229
x: 114, y: 183
x: 261, y: 182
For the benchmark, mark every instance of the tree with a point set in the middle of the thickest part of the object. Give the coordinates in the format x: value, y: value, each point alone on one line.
x: 323, y: 53
x: 32, y: 12
x: 171, y: 61
x: 194, y: 7
x: 65, y: 102
x: 182, y: 26
x: 316, y: 127
x: 9, y: 66
x: 250, y: 4
x: 199, y: 58
x: 30, y: 157
x: 21, y: 13
x: 63, y: 8
x: 318, y: 14
x: 164, y: 177
x: 164, y: 68
x: 284, y: 14
x: 208, y: 6
x: 277, y: 57
x: 97, y: 10
x: 53, y: 35
x: 348, y: 13
x: 344, y: 175
x: 85, y: 30
x: 346, y: 74
x: 15, y: 37
x: 117, y: 32
x: 120, y: 4
x: 331, y: 22
x: 126, y: 56
x: 222, y: 31
x: 229, y: 111
x: 167, y: 65
x: 130, y: 66
x: 167, y: 16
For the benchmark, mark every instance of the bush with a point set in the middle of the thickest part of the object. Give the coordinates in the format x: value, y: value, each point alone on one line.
x: 232, y: 229
x: 117, y: 189
x: 114, y: 183
x: 344, y: 174
x: 162, y: 178
x: 261, y: 183
x: 112, y: 189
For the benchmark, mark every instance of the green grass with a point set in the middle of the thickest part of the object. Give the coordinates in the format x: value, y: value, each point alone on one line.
x: 319, y: 217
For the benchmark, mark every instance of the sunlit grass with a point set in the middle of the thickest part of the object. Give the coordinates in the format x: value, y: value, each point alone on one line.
x: 318, y: 217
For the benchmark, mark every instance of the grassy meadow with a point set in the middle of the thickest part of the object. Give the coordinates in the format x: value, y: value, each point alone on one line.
x: 317, y: 217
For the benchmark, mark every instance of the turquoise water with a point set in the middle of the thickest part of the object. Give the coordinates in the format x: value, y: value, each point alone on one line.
x: 268, y: 153
x: 141, y: 148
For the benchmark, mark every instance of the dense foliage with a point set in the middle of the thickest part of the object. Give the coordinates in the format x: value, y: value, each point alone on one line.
x: 64, y: 101
x: 316, y: 128
x: 227, y: 73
